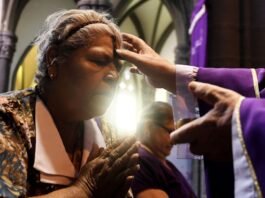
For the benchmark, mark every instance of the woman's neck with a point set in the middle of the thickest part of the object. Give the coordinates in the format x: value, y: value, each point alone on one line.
x: 148, y: 148
x: 70, y: 134
x: 53, y: 101
x: 67, y: 126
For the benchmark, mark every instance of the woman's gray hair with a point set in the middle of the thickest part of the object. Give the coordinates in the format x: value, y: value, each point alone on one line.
x: 67, y: 30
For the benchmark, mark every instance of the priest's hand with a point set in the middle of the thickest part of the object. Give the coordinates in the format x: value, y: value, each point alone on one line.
x: 160, y: 73
x: 110, y: 174
x: 210, y: 135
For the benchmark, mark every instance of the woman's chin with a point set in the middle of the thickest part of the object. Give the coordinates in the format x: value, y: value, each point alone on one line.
x: 97, y: 111
x: 97, y: 107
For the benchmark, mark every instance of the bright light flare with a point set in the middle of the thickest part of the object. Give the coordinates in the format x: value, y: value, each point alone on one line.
x: 123, y: 113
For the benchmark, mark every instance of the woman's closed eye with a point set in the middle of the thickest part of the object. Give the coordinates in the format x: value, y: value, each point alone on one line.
x: 102, y: 61
x: 107, y: 61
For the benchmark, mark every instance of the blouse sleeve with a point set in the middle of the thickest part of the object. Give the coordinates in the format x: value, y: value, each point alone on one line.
x: 13, y: 165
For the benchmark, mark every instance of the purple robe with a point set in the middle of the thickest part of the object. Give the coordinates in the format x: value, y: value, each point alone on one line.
x: 155, y: 175
x: 198, y: 34
x: 248, y: 132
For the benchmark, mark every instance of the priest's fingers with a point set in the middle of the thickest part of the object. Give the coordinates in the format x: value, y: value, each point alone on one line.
x: 210, y: 93
x: 137, y: 43
x: 188, y: 132
x: 131, y: 56
x: 129, y: 46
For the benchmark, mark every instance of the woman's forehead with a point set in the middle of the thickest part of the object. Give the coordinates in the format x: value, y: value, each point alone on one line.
x: 102, y: 44
x: 101, y: 39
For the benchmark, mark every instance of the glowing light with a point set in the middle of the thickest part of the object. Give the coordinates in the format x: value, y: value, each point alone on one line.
x: 127, y: 75
x: 122, y: 85
x: 161, y: 95
x: 130, y: 88
x: 123, y: 113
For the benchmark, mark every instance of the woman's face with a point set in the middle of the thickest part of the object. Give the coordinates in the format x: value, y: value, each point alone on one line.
x: 160, y: 142
x: 88, y: 77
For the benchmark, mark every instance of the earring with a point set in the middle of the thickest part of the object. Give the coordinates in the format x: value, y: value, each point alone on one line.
x: 51, y: 72
x: 52, y: 76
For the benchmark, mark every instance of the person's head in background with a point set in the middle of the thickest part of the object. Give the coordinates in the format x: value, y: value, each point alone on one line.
x: 77, y: 64
x: 154, y: 127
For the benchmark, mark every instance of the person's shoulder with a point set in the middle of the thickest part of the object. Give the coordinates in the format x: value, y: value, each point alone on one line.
x: 17, y: 94
x: 17, y: 98
x: 16, y: 115
x: 172, y: 166
x: 17, y: 107
x: 147, y: 158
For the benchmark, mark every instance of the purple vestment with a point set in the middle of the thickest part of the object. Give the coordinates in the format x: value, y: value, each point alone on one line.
x: 155, y: 175
x: 248, y: 131
x: 198, y: 34
x: 248, y: 134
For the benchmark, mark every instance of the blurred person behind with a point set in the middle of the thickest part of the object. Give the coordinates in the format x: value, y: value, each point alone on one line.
x: 158, y: 177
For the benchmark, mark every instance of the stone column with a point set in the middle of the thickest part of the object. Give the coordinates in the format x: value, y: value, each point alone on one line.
x: 9, y: 14
x: 180, y: 12
x: 98, y: 5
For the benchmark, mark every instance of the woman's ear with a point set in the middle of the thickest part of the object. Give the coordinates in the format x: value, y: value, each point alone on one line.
x: 51, y: 63
x: 148, y: 127
x: 51, y: 56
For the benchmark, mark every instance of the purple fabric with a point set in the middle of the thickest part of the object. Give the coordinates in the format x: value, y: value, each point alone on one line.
x: 239, y: 80
x: 198, y: 37
x: 252, y: 112
x: 153, y: 174
x: 252, y: 116
x: 197, y: 8
x: 261, y: 80
x: 219, y: 178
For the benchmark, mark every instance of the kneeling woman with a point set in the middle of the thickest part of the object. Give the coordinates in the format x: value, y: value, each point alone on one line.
x: 47, y: 136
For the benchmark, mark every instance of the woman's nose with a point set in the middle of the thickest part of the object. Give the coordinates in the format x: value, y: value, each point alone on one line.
x: 112, y: 75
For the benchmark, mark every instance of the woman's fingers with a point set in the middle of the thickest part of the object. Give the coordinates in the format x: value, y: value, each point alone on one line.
x: 121, y: 163
x: 127, y: 161
x: 107, y: 175
x: 121, y: 148
x: 120, y: 157
x: 126, y: 175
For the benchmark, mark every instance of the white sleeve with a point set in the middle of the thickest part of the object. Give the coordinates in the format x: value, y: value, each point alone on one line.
x: 185, y: 105
x: 245, y: 177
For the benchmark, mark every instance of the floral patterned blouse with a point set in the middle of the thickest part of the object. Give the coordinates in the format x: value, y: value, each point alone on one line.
x: 18, y: 178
